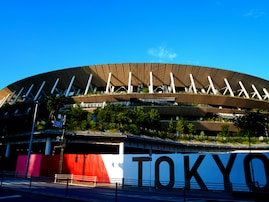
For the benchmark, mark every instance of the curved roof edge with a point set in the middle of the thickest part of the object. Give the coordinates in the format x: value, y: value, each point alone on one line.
x: 129, y: 77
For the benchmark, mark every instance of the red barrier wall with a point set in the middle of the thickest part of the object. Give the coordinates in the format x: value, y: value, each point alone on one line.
x: 34, y: 165
x: 78, y: 164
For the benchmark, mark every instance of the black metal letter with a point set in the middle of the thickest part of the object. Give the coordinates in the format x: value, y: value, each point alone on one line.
x: 250, y: 181
x: 193, y: 172
x: 225, y: 171
x: 171, y: 172
x: 140, y: 167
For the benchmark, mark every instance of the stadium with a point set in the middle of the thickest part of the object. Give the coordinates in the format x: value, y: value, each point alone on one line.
x: 208, y: 98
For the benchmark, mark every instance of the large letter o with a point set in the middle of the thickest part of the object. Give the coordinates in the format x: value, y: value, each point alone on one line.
x: 247, y: 167
x: 171, y: 172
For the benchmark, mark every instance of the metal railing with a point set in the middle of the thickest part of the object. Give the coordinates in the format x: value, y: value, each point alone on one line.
x: 65, y: 184
x: 122, y: 182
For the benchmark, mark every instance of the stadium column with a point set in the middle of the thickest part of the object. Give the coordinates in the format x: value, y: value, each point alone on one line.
x: 172, y: 82
x: 150, y: 83
x: 7, y: 150
x: 121, y: 148
x: 18, y: 95
x: 48, y: 146
x: 108, y: 82
x: 266, y: 96
x: 130, y: 90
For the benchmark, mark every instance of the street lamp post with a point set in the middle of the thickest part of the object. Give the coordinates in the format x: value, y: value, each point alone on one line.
x: 150, y: 160
x: 62, y: 146
x: 31, y: 140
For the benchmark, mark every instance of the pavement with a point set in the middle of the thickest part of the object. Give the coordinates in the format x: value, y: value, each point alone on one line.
x: 67, y: 192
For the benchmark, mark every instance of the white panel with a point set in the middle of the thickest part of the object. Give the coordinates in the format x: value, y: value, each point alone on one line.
x: 238, y: 167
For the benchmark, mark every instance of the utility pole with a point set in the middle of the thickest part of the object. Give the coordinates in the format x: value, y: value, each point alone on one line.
x: 31, y: 141
x: 62, y: 146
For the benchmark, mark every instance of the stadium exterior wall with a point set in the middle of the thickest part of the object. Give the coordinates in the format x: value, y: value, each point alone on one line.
x: 227, y: 171
x: 175, y: 90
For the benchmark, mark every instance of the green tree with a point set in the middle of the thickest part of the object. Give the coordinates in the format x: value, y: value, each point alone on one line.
x: 171, y: 129
x: 153, y: 118
x: 251, y: 123
x: 104, y: 117
x: 111, y: 117
x: 225, y: 131
x: 145, y: 90
x: 139, y: 117
x: 92, y: 123
x: 136, y: 120
x: 77, y: 118
x: 54, y: 103
x: 191, y: 128
x: 180, y: 126
x: 106, y: 114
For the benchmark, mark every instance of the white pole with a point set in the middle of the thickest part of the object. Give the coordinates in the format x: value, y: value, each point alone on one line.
x: 7, y: 150
x: 48, y: 146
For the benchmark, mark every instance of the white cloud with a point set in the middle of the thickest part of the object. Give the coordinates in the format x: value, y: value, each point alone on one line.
x: 255, y: 13
x: 162, y: 53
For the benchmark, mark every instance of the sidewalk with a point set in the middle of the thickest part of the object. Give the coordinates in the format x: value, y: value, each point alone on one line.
x: 116, y: 193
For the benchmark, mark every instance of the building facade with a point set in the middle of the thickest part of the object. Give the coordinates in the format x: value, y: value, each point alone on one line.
x: 207, y: 97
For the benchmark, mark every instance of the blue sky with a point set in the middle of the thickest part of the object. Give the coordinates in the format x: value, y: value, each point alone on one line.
x: 46, y: 35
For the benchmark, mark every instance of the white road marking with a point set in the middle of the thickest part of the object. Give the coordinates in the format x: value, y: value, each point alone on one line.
x: 8, y: 197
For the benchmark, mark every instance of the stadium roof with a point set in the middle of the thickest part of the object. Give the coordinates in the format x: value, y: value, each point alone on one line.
x: 126, y: 78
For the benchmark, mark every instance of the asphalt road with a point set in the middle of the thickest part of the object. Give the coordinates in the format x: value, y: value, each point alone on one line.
x: 92, y: 195
x: 21, y: 190
x: 17, y: 196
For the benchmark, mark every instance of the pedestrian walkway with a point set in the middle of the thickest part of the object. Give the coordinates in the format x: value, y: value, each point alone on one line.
x: 113, y: 193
